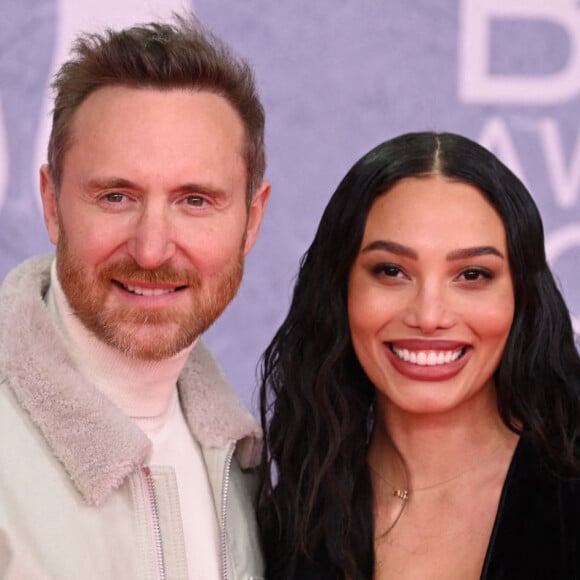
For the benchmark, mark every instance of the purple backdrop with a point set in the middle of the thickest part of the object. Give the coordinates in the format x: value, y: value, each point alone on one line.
x: 337, y: 78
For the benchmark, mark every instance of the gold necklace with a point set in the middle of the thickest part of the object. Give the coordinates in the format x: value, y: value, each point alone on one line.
x: 401, y: 493
x: 404, y: 494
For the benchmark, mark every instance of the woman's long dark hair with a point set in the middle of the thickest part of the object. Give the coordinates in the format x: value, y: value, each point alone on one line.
x: 315, y: 499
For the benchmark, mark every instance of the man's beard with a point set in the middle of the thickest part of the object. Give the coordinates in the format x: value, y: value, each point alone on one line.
x: 138, y: 332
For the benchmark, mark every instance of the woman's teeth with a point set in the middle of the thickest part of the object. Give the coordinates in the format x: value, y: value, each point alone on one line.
x: 428, y: 358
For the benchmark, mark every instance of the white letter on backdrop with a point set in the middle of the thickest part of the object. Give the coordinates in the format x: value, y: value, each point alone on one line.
x: 565, y: 182
x: 476, y: 83
x: 559, y: 242
x: 496, y: 137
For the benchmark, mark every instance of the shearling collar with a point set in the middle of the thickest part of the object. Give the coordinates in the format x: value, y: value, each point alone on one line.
x: 97, y: 444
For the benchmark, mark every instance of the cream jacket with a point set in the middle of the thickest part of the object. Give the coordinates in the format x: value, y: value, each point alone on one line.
x: 77, y: 501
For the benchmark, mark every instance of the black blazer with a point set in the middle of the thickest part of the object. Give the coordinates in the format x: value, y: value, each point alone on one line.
x: 536, y: 534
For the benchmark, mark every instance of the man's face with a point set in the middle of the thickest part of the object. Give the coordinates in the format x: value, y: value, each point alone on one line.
x: 151, y: 223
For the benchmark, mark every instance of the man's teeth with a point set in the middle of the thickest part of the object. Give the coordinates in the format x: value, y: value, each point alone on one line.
x: 149, y: 291
x: 427, y: 358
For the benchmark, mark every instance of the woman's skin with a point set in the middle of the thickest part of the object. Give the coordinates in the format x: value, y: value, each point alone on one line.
x: 430, y: 307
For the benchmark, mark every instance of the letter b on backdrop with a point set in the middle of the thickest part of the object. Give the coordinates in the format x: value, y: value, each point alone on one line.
x: 477, y: 83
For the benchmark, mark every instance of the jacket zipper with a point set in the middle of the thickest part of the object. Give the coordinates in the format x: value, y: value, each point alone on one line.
x: 155, y: 522
x: 225, y: 491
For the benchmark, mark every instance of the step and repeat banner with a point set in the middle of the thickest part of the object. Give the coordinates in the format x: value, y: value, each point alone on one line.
x: 337, y: 78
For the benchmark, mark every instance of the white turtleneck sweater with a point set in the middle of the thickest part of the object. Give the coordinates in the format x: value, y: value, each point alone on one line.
x: 146, y: 391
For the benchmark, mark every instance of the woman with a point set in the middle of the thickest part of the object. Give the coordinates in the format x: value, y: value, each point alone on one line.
x: 421, y: 401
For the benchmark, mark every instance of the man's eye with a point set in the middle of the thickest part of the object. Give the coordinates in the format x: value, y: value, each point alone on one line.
x: 195, y: 201
x: 115, y: 197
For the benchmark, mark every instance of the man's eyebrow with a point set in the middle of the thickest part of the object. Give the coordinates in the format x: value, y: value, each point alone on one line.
x: 203, y: 188
x: 460, y: 254
x: 110, y: 183
x: 122, y: 183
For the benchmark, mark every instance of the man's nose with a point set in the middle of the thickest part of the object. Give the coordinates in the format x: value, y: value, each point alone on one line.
x: 152, y: 243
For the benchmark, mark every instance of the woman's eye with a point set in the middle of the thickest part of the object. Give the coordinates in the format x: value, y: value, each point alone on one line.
x: 387, y: 270
x: 476, y: 274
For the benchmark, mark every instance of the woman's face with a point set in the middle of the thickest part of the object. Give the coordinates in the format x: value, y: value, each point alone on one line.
x: 430, y: 295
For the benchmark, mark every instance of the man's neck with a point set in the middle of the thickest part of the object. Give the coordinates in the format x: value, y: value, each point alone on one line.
x: 144, y: 390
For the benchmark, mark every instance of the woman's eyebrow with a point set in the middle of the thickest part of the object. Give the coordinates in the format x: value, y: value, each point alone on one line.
x: 459, y: 254
x: 473, y: 252
x: 390, y: 246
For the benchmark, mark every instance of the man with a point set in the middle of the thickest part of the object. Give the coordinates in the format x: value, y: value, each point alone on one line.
x: 124, y: 453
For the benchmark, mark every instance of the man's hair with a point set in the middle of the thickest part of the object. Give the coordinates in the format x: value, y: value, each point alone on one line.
x: 161, y: 56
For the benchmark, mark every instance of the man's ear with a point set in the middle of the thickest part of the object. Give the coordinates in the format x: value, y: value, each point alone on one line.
x: 49, y: 204
x: 255, y: 214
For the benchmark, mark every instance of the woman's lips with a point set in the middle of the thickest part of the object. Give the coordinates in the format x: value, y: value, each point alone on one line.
x: 428, y: 360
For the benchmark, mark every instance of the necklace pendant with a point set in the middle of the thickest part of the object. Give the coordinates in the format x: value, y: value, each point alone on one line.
x: 401, y: 494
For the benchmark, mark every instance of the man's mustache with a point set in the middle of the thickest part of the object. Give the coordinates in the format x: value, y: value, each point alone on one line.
x: 129, y: 271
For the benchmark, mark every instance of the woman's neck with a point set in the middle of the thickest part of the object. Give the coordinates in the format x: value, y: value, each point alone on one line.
x: 415, y: 451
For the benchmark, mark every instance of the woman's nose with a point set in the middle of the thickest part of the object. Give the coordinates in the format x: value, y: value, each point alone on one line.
x: 430, y: 309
